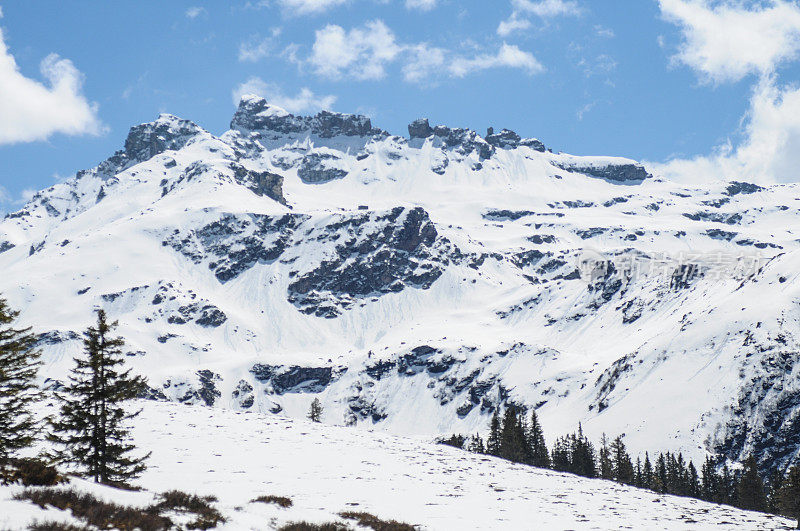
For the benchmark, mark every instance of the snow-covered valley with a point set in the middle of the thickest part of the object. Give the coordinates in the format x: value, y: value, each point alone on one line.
x: 416, y: 284
x: 324, y: 470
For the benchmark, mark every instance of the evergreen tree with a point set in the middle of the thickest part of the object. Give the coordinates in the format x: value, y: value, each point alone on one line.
x: 475, y: 445
x: 773, y: 491
x: 561, y: 459
x: 315, y: 411
x: 727, y: 486
x: 660, y: 483
x: 19, y: 364
x: 621, y: 462
x: 709, y: 481
x: 637, y: 473
x: 647, y: 473
x: 693, y: 481
x: 789, y: 495
x: 604, y: 459
x: 493, y: 441
x: 512, y: 437
x: 92, y: 429
x: 751, y: 489
x: 583, y: 455
x: 540, y: 457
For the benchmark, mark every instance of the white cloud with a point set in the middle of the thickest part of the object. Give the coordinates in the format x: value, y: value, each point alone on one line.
x: 509, y: 55
x: 547, y: 8
x: 195, y: 11
x: 422, y: 5
x: 730, y: 39
x: 602, y: 31
x: 541, y: 8
x: 362, y: 52
x: 580, y: 113
x: 424, y: 63
x: 305, y: 102
x: 1, y: 11
x: 601, y: 65
x: 513, y: 24
x: 365, y: 52
x: 309, y: 7
x: 257, y: 48
x: 31, y: 110
x: 769, y: 152
x: 725, y: 42
x: 26, y: 195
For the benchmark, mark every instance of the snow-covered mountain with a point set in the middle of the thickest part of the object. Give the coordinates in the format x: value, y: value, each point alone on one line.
x: 415, y: 284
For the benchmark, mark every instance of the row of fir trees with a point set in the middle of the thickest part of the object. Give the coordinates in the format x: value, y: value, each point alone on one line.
x: 520, y: 438
x: 89, y: 434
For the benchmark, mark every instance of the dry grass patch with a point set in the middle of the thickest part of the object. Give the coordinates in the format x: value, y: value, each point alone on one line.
x: 281, y: 501
x: 96, y: 512
x: 373, y: 522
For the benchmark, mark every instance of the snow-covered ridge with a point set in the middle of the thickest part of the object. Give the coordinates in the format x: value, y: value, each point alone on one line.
x: 416, y: 284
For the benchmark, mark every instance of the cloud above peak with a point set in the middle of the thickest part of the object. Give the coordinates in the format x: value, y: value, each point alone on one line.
x: 729, y: 40
x: 365, y: 53
x: 304, y: 102
x: 31, y: 110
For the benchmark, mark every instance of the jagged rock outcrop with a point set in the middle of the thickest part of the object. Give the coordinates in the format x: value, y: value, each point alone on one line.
x: 255, y: 114
x: 381, y: 253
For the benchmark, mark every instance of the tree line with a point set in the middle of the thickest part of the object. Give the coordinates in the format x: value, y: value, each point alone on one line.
x: 89, y: 435
x: 519, y: 437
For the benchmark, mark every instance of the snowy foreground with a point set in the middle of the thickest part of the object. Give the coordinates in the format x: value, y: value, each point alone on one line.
x: 237, y: 456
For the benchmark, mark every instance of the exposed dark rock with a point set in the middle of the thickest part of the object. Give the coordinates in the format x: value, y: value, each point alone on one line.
x: 591, y: 232
x: 736, y: 188
x: 615, y: 201
x: 683, y: 276
x: 237, y: 242
x: 763, y: 418
x: 5, y: 246
x: 261, y: 183
x: 243, y: 394
x: 506, y: 215
x: 505, y: 139
x: 419, y: 129
x: 464, y: 141
x: 281, y: 379
x: 719, y: 234
x: 255, y: 114
x: 315, y: 168
x: 54, y: 337
x: 623, y: 173
x: 208, y: 391
x: 540, y: 239
x: 716, y: 217
x: 381, y: 253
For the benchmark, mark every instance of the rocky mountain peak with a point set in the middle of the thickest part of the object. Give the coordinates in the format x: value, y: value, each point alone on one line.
x: 255, y: 114
x: 167, y: 132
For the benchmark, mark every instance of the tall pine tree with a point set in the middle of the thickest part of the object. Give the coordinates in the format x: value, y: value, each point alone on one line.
x: 789, y: 495
x: 622, y: 465
x: 540, y: 457
x: 92, y: 429
x: 19, y: 364
x: 751, y: 494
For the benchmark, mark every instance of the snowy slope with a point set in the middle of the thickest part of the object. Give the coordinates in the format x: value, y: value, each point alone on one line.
x: 327, y: 469
x: 415, y: 284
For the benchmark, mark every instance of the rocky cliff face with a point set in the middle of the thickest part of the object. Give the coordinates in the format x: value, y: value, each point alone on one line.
x: 418, y: 284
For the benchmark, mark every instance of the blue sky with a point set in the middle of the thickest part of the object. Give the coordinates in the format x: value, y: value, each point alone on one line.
x: 698, y: 87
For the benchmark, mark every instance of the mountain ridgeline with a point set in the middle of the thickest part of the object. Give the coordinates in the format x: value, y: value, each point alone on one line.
x: 418, y: 284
